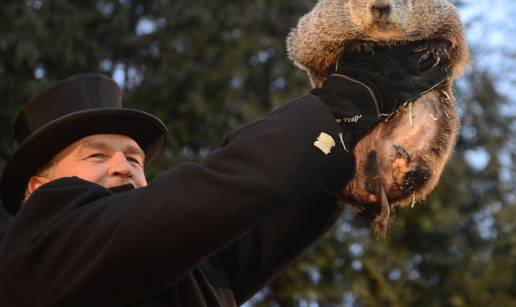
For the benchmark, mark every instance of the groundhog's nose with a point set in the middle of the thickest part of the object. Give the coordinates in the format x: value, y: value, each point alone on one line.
x: 380, y: 9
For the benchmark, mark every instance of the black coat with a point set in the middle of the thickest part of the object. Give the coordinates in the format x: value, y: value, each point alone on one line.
x: 210, y: 234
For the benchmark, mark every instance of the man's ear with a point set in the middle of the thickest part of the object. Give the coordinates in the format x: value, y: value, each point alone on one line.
x: 35, y: 182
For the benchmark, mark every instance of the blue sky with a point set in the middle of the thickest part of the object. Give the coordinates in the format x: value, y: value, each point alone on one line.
x: 491, y: 30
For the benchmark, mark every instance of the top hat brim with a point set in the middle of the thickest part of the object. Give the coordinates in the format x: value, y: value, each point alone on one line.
x: 38, y: 149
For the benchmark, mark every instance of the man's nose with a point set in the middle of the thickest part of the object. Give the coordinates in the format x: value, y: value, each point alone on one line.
x: 120, y: 166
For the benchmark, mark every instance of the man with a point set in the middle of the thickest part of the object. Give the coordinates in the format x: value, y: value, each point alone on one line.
x: 89, y: 231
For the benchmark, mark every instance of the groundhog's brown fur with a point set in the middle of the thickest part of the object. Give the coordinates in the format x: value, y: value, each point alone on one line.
x: 401, y: 160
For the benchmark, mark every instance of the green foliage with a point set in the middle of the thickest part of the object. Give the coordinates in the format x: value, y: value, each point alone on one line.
x: 205, y: 67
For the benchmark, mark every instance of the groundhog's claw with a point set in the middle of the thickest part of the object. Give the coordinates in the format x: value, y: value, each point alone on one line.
x: 432, y: 53
x: 402, y: 152
x: 429, y: 59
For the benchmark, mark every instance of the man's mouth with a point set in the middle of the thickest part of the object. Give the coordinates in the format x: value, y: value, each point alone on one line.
x: 121, y: 183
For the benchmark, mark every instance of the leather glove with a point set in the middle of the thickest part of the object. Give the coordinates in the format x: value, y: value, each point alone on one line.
x: 368, y: 87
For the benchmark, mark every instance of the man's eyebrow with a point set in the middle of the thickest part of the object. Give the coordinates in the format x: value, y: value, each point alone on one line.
x: 128, y: 149
x: 93, y: 145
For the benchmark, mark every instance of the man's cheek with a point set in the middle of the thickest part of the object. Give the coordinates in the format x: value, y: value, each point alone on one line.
x: 141, y: 181
x: 140, y: 178
x: 96, y: 173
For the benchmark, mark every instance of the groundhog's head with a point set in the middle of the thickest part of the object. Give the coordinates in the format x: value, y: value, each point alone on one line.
x: 335, y: 26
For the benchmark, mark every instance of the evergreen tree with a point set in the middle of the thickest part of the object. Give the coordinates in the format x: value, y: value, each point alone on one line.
x: 205, y: 67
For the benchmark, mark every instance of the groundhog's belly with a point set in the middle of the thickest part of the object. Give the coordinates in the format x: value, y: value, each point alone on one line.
x: 406, y: 157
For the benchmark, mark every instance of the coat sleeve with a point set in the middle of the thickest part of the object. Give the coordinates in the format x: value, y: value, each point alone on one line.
x: 76, y: 248
x: 270, y: 247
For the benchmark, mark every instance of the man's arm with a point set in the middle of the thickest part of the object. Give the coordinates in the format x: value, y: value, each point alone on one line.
x: 116, y: 249
x: 268, y: 249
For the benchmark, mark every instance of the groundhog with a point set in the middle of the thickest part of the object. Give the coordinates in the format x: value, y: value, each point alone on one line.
x: 400, y: 161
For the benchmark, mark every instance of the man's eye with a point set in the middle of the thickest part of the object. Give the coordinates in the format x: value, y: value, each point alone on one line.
x: 133, y: 160
x: 97, y: 156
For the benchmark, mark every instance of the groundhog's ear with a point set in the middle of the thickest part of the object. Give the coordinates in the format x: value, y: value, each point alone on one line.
x: 309, y: 48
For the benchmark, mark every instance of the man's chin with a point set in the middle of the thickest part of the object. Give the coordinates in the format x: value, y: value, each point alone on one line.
x: 121, y: 184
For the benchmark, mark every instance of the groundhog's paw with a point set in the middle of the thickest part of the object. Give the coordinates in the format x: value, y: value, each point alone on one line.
x: 414, y: 180
x: 432, y: 52
x: 361, y: 47
x: 407, y: 174
x: 399, y: 169
x: 400, y: 166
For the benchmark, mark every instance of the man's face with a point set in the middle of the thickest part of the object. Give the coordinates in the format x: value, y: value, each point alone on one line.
x: 106, y: 159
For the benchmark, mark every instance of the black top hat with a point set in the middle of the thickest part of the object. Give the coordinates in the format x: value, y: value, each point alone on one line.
x: 69, y: 110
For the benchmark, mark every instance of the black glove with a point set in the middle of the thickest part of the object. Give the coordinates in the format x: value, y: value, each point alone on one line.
x: 368, y: 87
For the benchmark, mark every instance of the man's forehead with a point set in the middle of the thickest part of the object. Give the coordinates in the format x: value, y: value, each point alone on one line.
x: 115, y: 141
